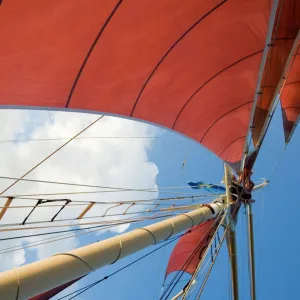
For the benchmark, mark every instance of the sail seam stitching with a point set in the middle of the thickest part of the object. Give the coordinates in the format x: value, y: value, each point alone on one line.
x: 103, y: 27
x: 209, y: 80
x: 224, y: 115
x: 170, y: 49
x: 232, y: 143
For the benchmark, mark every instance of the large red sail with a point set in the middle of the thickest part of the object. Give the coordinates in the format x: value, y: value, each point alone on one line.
x: 192, y: 66
x: 190, y: 247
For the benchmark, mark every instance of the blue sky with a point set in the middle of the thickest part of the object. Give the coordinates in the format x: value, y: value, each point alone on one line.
x: 275, y: 220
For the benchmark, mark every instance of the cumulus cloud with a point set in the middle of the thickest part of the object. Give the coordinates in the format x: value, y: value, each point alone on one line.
x: 105, y: 162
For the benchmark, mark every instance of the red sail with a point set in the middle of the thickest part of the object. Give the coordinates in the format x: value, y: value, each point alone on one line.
x: 189, y: 249
x: 287, y: 23
x: 290, y: 96
x: 189, y: 66
x: 49, y: 294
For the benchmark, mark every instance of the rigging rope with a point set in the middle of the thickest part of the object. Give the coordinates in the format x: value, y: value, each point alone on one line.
x: 62, y: 237
x: 79, y: 138
x: 148, y: 211
x: 277, y: 163
x: 85, y: 202
x: 81, y: 224
x: 212, y: 264
x: 92, y: 186
x: 84, y: 289
x: 178, y: 276
x: 209, y: 245
x: 50, y: 155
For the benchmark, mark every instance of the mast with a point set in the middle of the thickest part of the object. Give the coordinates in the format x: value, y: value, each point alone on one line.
x: 251, y: 251
x: 231, y: 237
x: 35, y: 278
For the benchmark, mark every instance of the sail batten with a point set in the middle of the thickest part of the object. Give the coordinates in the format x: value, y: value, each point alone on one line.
x: 127, y: 58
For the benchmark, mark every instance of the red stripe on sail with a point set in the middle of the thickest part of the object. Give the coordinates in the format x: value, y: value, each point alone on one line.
x: 190, y: 247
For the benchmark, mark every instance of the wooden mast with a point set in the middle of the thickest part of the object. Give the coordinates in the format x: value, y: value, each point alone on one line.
x: 231, y: 237
x: 30, y: 280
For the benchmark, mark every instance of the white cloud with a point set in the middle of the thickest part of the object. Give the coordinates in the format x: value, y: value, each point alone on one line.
x: 107, y: 162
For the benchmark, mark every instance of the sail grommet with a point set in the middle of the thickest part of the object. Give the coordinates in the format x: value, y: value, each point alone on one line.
x: 193, y: 223
x: 173, y: 227
x: 155, y: 241
x: 18, y: 282
x: 78, y: 257
x: 120, y: 251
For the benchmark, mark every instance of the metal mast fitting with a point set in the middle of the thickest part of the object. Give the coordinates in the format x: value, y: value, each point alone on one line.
x: 30, y: 280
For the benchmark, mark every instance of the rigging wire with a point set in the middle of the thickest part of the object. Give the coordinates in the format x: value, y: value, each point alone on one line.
x: 212, y: 264
x: 78, y: 138
x: 179, y: 274
x: 84, y: 289
x: 97, y: 192
x: 62, y: 237
x: 170, y: 208
x: 81, y: 224
x: 210, y: 245
x: 277, y: 163
x: 91, y: 186
x: 84, y: 202
x: 50, y: 155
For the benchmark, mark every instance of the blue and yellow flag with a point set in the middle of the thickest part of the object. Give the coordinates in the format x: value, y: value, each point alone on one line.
x: 212, y: 188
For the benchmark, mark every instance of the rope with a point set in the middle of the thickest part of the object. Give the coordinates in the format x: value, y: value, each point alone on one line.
x: 79, y: 138
x: 81, y: 224
x: 91, y: 186
x: 84, y: 289
x: 212, y: 264
x: 163, y: 210
x: 207, y: 250
x: 78, y: 203
x: 188, y: 261
x: 278, y: 162
x: 50, y: 155
x: 61, y: 237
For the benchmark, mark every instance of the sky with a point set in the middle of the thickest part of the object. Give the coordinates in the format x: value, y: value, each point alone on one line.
x: 149, y: 163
